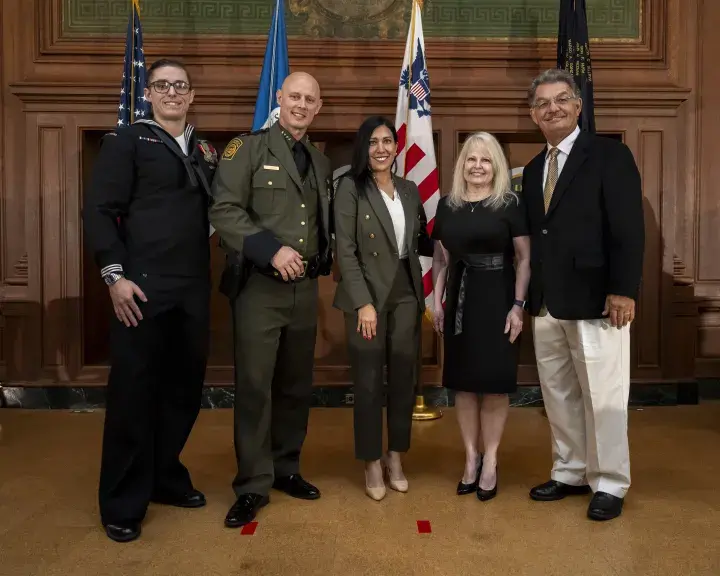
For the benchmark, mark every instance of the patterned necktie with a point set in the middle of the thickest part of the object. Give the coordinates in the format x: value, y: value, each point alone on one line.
x: 552, y: 178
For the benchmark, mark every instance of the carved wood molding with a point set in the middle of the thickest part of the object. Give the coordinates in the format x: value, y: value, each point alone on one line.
x: 650, y: 49
x: 709, y: 312
x: 458, y: 101
x: 20, y: 277
x: 658, y: 61
x: 680, y: 276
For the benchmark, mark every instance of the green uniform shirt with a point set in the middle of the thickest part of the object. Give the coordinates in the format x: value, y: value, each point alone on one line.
x: 260, y: 202
x: 310, y: 188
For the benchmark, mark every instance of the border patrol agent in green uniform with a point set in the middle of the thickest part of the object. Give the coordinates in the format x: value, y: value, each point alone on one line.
x: 272, y: 212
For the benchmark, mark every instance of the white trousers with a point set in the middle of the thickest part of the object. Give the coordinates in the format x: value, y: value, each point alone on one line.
x: 584, y: 370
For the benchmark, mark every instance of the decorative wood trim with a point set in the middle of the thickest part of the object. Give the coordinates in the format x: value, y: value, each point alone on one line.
x: 53, y: 240
x: 707, y: 290
x: 707, y: 361
x: 20, y: 277
x: 680, y: 276
x: 456, y: 101
x: 235, y: 50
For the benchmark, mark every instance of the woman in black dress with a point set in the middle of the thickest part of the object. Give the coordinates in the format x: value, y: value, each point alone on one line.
x: 482, y: 265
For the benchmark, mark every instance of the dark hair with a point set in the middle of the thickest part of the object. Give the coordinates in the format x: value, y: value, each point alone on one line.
x: 360, y: 167
x: 165, y: 63
x: 552, y: 76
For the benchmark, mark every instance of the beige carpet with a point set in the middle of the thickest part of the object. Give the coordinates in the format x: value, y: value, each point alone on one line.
x: 671, y: 524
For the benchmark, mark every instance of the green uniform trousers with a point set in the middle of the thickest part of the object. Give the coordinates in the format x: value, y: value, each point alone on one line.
x: 274, y: 326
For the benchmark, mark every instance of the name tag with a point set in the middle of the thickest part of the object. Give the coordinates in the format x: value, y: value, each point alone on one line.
x: 270, y: 167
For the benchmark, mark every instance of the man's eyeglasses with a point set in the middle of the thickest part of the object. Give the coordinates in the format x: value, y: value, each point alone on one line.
x: 561, y: 101
x: 162, y: 86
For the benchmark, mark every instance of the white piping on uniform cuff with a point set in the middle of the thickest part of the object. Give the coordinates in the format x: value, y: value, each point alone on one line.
x: 110, y: 268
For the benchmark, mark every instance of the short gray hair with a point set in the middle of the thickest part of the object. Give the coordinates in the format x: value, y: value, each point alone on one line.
x: 552, y: 76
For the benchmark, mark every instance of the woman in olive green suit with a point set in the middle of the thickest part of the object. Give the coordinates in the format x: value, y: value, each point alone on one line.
x: 380, y: 232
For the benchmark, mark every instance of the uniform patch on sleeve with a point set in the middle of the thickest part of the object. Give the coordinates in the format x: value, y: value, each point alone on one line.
x: 232, y: 148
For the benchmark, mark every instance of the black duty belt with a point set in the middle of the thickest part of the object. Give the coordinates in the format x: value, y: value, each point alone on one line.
x: 311, y: 267
x: 485, y: 262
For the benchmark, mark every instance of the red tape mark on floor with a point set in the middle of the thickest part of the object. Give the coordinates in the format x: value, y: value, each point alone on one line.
x: 249, y: 529
x: 423, y: 527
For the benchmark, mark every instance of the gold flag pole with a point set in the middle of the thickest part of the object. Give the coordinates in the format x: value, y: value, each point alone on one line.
x: 421, y: 411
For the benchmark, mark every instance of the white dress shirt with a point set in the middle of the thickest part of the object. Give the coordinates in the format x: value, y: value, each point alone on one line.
x: 564, y: 148
x: 397, y: 214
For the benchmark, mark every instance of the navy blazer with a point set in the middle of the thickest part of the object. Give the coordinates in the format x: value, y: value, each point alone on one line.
x: 591, y: 241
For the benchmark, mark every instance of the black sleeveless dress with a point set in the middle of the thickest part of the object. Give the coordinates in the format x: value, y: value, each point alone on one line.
x: 480, y: 291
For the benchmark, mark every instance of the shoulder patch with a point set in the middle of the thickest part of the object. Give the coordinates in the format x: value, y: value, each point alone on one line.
x: 232, y: 148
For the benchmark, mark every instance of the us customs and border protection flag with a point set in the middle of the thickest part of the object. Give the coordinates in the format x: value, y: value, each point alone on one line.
x: 413, y: 122
x: 133, y: 104
x: 573, y: 55
x: 274, y: 71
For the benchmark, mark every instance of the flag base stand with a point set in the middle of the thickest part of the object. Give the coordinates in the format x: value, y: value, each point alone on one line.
x: 423, y: 412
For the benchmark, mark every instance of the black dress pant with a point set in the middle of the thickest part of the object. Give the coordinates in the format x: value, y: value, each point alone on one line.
x: 397, y: 344
x: 153, y: 397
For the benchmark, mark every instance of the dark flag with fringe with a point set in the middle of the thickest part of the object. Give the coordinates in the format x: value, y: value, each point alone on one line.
x: 573, y: 55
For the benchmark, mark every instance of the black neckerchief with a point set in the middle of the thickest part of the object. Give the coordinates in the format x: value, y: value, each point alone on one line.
x: 190, y: 161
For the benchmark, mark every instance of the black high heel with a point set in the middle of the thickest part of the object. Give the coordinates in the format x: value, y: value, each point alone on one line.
x: 485, y: 495
x: 463, y: 489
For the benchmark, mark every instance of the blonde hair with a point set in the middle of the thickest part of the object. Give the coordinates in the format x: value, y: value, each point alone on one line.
x: 501, y: 194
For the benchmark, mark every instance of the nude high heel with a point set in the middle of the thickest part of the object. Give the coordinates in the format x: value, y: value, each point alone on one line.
x: 377, y: 493
x: 397, y: 485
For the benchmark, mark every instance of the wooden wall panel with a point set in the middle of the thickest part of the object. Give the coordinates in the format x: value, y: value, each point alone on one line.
x: 658, y: 93
x: 707, y: 263
x: 650, y: 161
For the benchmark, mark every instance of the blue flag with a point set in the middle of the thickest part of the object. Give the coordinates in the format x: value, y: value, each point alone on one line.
x: 133, y: 105
x: 274, y: 71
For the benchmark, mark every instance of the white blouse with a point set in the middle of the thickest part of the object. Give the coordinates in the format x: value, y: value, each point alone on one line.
x: 397, y: 214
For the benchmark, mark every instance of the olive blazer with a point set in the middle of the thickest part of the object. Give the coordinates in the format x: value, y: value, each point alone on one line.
x: 365, y: 247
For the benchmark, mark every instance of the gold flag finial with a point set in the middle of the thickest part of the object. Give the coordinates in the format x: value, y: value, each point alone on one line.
x: 420, y: 3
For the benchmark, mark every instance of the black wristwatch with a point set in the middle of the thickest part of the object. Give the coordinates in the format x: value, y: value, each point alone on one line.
x: 112, y: 277
x: 520, y: 303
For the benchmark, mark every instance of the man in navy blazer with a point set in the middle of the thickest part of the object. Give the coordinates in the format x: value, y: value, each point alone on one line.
x: 584, y: 200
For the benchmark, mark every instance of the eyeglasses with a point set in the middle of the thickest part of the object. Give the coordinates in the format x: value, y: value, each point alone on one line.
x: 561, y: 100
x: 163, y: 86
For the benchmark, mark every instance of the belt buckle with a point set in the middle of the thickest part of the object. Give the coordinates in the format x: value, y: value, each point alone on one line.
x: 305, y: 266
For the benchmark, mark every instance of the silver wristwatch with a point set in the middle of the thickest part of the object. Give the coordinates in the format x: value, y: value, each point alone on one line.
x: 112, y: 277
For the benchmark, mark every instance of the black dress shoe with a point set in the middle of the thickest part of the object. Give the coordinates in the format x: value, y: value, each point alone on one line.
x: 604, y: 506
x: 123, y: 532
x: 192, y: 499
x: 463, y: 488
x: 244, y: 510
x: 554, y: 490
x: 295, y: 486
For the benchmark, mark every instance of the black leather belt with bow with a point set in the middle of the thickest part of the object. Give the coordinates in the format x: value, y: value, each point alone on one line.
x: 486, y: 262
